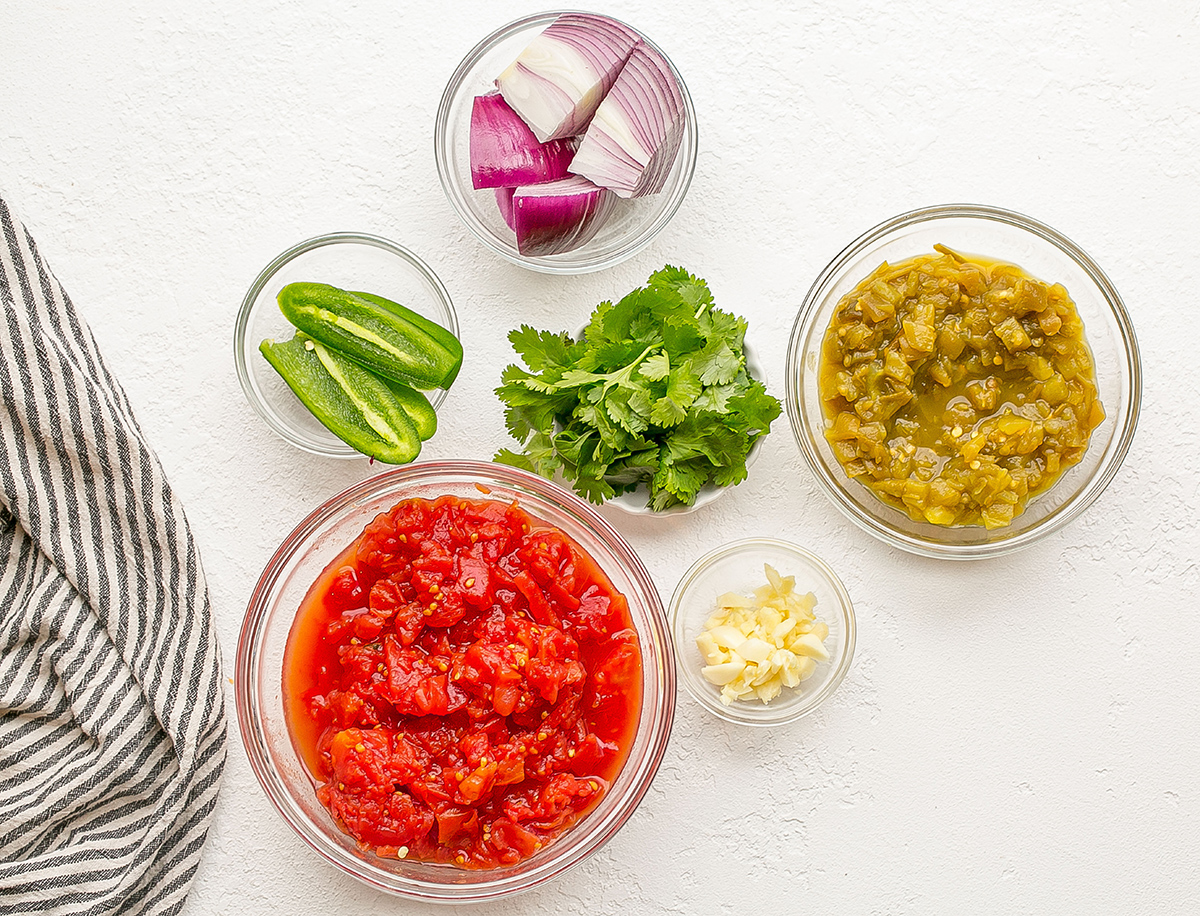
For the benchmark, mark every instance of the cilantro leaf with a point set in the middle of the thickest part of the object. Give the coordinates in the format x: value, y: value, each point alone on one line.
x: 718, y: 325
x: 677, y: 482
x: 756, y: 407
x: 541, y: 349
x: 656, y: 367
x: 627, y: 408
x: 715, y: 398
x: 717, y: 363
x: 514, y: 459
x: 692, y: 291
x: 683, y: 387
x: 681, y: 335
x: 594, y: 489
x: 636, y: 468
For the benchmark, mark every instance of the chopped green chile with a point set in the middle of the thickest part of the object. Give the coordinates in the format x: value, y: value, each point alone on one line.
x: 957, y: 388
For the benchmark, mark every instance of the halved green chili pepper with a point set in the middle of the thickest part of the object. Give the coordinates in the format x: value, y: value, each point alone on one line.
x: 436, y: 331
x: 381, y: 338
x: 417, y: 406
x: 357, y: 406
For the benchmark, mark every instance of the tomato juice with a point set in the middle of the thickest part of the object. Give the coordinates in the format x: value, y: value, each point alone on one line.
x: 463, y: 682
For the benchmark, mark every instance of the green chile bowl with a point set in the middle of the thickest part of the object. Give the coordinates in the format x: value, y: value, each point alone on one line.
x: 1041, y: 251
x: 349, y: 260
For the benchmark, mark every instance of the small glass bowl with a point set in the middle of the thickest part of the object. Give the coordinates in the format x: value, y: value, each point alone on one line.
x: 631, y: 225
x: 319, y: 540
x: 1040, y: 251
x: 738, y: 567
x: 350, y: 260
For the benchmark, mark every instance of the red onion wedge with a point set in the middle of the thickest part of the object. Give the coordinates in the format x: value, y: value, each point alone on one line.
x: 504, y: 200
x: 558, y: 81
x: 558, y: 216
x: 504, y: 151
x: 632, y: 141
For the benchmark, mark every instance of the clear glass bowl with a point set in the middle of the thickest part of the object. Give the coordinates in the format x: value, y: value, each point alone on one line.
x: 301, y: 557
x: 1041, y: 251
x: 350, y: 260
x: 631, y: 225
x: 738, y: 567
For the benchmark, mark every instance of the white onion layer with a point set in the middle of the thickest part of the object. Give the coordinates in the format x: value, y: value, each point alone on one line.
x: 564, y: 73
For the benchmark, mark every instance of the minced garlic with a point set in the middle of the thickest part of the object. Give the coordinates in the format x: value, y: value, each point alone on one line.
x: 753, y: 647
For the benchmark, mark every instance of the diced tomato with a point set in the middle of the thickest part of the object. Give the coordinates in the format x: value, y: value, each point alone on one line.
x: 595, y: 611
x: 539, y: 606
x: 474, y: 578
x: 345, y: 591
x: 614, y: 677
x: 468, y: 682
x: 560, y: 596
x: 511, y: 842
x: 454, y: 822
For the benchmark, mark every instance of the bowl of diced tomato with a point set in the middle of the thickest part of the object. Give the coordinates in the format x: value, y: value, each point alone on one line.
x: 455, y: 681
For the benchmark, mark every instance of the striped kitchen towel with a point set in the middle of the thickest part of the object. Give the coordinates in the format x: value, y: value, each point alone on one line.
x: 112, y: 723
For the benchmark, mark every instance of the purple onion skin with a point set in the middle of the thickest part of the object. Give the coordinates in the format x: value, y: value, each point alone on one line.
x: 504, y: 151
x: 558, y: 217
x: 646, y: 102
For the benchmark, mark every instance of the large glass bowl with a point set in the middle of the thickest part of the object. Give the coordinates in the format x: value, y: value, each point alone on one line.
x: 350, y: 260
x: 1041, y: 251
x: 628, y: 229
x: 260, y: 656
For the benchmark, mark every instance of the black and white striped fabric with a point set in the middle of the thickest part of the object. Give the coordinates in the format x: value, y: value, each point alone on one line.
x: 112, y: 724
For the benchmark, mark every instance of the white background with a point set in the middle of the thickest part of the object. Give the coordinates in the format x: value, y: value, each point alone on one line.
x: 1016, y: 736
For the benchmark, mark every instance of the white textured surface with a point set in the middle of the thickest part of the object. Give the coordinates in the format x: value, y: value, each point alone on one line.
x: 1016, y: 736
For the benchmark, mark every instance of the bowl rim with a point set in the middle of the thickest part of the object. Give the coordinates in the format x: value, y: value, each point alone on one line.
x: 335, y: 448
x: 1069, y: 511
x: 658, y: 725
x: 849, y: 635
x: 561, y: 264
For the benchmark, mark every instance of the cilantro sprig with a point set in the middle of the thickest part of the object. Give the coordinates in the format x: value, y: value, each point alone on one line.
x: 655, y: 393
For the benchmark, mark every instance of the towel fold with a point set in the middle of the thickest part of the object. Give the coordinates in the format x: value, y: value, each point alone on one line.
x: 112, y: 724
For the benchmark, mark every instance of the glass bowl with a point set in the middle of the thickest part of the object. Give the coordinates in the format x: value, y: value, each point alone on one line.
x: 738, y: 567
x: 1042, y: 252
x: 350, y: 260
x: 631, y: 225
x: 295, y: 566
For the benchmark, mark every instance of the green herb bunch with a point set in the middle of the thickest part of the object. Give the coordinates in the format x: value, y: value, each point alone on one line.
x: 656, y: 393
